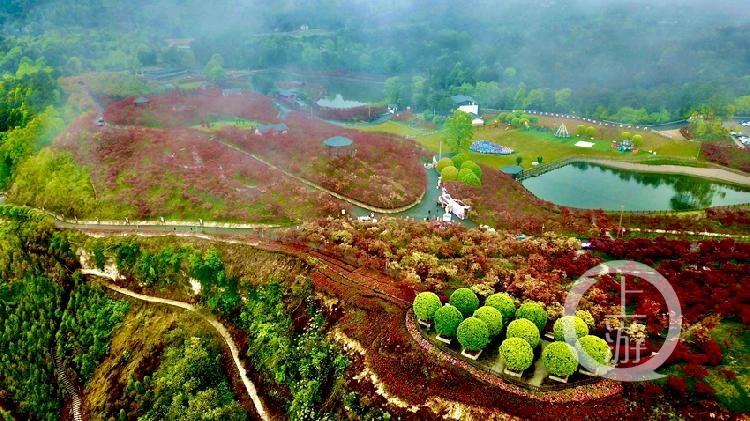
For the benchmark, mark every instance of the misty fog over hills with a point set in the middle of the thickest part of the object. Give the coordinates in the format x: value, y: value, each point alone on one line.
x: 669, y: 56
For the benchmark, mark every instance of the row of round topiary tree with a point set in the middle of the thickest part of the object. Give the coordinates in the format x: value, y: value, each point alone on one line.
x: 459, y: 168
x: 474, y: 327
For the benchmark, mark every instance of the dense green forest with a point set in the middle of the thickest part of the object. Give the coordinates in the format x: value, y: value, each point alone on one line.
x: 631, y: 61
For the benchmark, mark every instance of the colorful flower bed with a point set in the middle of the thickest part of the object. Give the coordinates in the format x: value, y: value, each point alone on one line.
x: 487, y: 147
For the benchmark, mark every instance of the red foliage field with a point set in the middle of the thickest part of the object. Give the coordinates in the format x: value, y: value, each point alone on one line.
x: 384, y: 171
x: 709, y: 277
x: 184, y: 109
x: 181, y: 173
x: 726, y: 153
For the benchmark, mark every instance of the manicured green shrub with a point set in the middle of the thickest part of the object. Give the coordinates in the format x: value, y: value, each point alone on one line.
x: 587, y: 318
x: 504, y: 303
x: 524, y: 329
x: 444, y: 162
x: 492, y: 318
x: 473, y: 334
x: 425, y: 305
x: 592, y: 349
x: 465, y: 301
x: 534, y: 312
x: 474, y: 167
x: 573, y: 324
x: 517, y: 354
x: 467, y: 176
x: 459, y: 159
x: 449, y: 174
x: 447, y: 319
x: 560, y: 359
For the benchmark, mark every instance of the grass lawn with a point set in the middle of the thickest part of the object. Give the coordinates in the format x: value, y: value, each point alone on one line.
x: 532, y: 144
x: 428, y: 140
x: 733, y: 393
x: 228, y: 122
x: 190, y: 85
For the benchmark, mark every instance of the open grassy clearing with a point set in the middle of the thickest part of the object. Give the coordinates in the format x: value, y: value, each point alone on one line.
x: 530, y: 144
x: 219, y: 124
x: 733, y: 393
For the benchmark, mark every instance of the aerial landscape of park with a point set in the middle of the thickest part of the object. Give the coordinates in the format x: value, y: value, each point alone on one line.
x: 374, y: 210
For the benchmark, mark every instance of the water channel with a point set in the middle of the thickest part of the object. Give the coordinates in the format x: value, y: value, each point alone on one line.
x: 592, y: 186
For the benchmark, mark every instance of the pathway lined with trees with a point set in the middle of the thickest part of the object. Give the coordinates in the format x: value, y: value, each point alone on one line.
x: 223, y: 332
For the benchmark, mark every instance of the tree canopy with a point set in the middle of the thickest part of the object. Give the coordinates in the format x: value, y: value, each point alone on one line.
x: 458, y: 131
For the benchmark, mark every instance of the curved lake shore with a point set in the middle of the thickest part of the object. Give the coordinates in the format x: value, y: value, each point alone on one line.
x: 718, y: 174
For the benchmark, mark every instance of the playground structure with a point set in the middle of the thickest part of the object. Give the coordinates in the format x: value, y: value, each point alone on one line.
x: 626, y: 145
x: 562, y: 132
x: 452, y: 206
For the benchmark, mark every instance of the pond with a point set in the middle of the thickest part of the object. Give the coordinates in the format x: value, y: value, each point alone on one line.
x: 338, y: 102
x: 592, y: 186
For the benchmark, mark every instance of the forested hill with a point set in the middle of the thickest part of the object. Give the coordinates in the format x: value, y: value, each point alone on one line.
x: 631, y: 60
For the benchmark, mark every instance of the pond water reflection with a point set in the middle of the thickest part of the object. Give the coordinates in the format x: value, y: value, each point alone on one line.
x: 593, y: 186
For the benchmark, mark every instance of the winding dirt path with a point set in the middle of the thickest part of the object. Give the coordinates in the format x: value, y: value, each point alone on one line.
x: 712, y: 173
x: 323, y: 189
x: 249, y: 386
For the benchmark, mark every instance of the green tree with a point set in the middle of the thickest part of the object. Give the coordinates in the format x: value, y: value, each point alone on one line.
x: 467, y: 176
x: 397, y: 91
x: 459, y: 159
x: 504, y: 303
x: 517, y: 354
x: 425, y: 305
x: 571, y: 326
x: 492, y: 317
x: 449, y: 173
x: 458, y: 131
x: 524, y: 329
x: 562, y: 99
x: 625, y: 135
x: 465, y: 300
x: 53, y: 180
x: 581, y: 130
x: 519, y: 159
x: 471, y: 165
x: 637, y: 139
x: 473, y: 334
x: 447, y: 319
x: 534, y: 312
x: 560, y: 359
x: 590, y: 131
x: 214, y: 69
x: 593, y: 350
x: 444, y: 162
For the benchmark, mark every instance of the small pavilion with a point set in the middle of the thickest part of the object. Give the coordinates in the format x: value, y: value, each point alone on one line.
x: 140, y: 101
x: 339, y: 146
x: 512, y: 170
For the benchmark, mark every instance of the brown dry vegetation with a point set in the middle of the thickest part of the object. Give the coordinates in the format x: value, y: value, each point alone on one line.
x: 142, y: 336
